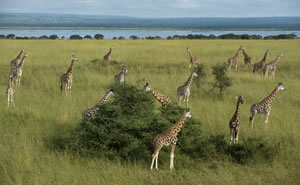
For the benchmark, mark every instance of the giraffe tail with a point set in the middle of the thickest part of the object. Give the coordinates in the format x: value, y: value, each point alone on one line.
x: 61, y: 87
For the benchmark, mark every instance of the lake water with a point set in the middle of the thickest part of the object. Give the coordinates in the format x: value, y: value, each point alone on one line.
x: 109, y: 34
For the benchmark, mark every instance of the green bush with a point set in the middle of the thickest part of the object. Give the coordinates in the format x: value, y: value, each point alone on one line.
x: 124, y: 129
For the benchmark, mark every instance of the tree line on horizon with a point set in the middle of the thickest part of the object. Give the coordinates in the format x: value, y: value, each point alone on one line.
x: 229, y: 36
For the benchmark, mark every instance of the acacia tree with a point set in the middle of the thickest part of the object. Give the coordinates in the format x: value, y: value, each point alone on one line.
x: 99, y: 36
x: 222, y: 81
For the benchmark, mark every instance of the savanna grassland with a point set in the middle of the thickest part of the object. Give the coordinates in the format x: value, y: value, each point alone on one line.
x: 41, y: 111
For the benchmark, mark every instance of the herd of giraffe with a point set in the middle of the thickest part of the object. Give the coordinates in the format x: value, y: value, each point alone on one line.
x: 168, y: 137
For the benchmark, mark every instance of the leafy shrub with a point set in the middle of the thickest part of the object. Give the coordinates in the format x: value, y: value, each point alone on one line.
x: 222, y: 81
x: 124, y: 128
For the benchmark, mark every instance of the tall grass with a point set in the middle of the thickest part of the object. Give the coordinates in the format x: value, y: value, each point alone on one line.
x: 41, y: 111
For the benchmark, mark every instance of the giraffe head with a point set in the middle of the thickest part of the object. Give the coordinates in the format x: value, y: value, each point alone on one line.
x: 280, y: 86
x: 25, y: 55
x: 241, y: 48
x: 240, y: 99
x: 147, y: 87
x: 281, y: 55
x: 268, y: 52
x: 112, y: 47
x: 194, y: 74
x: 188, y: 49
x: 188, y: 113
x: 110, y: 93
x: 74, y: 59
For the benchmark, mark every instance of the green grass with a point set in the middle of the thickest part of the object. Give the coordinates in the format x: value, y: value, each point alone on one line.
x: 41, y: 111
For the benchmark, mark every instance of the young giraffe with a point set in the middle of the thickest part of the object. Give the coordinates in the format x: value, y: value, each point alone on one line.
x: 167, y: 138
x: 261, y: 64
x: 164, y: 100
x: 19, y: 70
x: 234, y: 60
x: 193, y: 60
x: 107, y: 57
x: 264, y: 107
x: 184, y: 90
x: 247, y: 60
x: 234, y: 124
x: 14, y: 63
x: 90, y: 113
x: 10, y: 92
x: 67, y: 78
x: 271, y: 66
x: 122, y: 75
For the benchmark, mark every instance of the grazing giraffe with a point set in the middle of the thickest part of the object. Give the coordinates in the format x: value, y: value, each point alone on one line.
x: 184, y: 90
x: 234, y: 124
x: 167, y: 138
x: 122, y: 75
x: 14, y: 63
x: 271, y: 66
x: 66, y: 79
x: 91, y: 112
x: 264, y: 107
x: 10, y: 92
x: 261, y: 64
x: 247, y: 60
x: 19, y: 70
x: 193, y: 60
x: 234, y: 60
x: 164, y: 100
x: 107, y: 57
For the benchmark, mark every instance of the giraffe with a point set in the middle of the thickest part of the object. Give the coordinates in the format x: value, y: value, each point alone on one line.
x: 264, y: 107
x: 10, y: 92
x: 234, y: 124
x: 164, y: 100
x: 67, y: 78
x: 247, y: 60
x: 107, y: 57
x: 184, y: 90
x: 271, y: 66
x: 261, y: 64
x: 90, y: 113
x: 122, y: 75
x: 234, y: 60
x: 14, y: 63
x: 19, y: 70
x: 193, y: 60
x: 167, y: 138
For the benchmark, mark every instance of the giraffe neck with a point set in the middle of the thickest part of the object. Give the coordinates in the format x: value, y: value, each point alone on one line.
x: 175, y: 129
x: 189, y: 81
x: 237, y: 53
x: 190, y: 54
x: 123, y: 70
x: 109, y: 52
x: 70, y: 70
x: 19, y: 56
x: 105, y: 98
x: 237, y: 111
x: 265, y: 57
x: 22, y: 62
x: 155, y: 94
x: 245, y: 54
x: 276, y: 60
x: 269, y: 99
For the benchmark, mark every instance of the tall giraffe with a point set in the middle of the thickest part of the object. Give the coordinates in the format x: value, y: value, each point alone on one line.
x: 164, y: 100
x: 247, y: 60
x: 261, y: 64
x: 234, y: 60
x: 264, y: 107
x: 10, y: 92
x: 122, y: 75
x: 19, y: 70
x: 234, y: 124
x: 14, y: 63
x: 184, y: 90
x: 66, y: 79
x: 193, y: 60
x: 167, y: 138
x: 107, y: 57
x: 271, y: 66
x: 91, y: 112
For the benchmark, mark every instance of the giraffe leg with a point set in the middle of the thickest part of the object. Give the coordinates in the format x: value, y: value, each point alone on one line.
x: 172, y: 157
x: 252, y: 117
x: 180, y: 97
x: 231, y: 136
x: 267, y: 114
x: 156, y: 161
x: 237, y: 136
x: 155, y: 157
x: 190, y: 65
x: 236, y: 66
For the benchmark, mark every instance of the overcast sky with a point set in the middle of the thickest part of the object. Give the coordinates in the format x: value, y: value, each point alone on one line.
x: 157, y: 8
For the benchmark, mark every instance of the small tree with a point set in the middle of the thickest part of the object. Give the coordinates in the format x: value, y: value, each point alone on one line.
x: 114, y: 38
x: 134, y: 37
x: 75, y: 37
x: 2, y: 37
x: 99, y: 36
x: 201, y: 74
x: 121, y: 38
x: 44, y: 37
x: 88, y: 37
x: 53, y: 37
x: 222, y: 81
x: 10, y: 36
x: 169, y: 38
x: 62, y: 37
